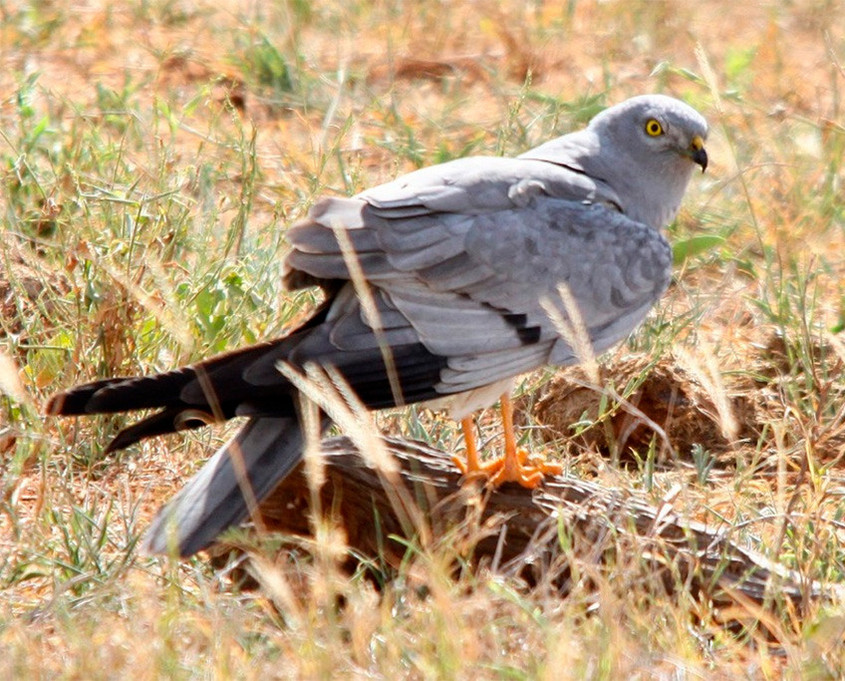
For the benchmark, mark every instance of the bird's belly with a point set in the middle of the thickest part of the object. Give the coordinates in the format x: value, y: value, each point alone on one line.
x: 461, y: 405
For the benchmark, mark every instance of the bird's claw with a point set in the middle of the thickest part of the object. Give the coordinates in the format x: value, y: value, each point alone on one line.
x: 523, y: 469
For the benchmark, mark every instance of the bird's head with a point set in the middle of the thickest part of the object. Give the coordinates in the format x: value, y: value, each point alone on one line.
x: 649, y: 147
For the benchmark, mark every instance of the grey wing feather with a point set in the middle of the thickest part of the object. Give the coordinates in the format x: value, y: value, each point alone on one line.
x: 421, y: 219
x: 476, y: 185
x: 467, y: 251
x: 213, y: 499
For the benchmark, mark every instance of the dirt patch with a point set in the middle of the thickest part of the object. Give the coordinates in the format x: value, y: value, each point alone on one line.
x: 663, y: 395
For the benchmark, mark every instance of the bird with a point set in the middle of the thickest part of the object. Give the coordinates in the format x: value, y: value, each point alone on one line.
x: 441, y: 287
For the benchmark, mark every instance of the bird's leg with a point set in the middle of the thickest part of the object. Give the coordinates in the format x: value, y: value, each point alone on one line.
x: 472, y: 465
x: 468, y: 426
x: 473, y: 468
x: 512, y: 462
x: 513, y: 466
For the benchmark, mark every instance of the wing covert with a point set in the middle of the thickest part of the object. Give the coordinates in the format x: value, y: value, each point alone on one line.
x: 468, y: 252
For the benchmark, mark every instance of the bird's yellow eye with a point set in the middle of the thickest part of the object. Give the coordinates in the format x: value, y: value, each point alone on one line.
x: 653, y: 127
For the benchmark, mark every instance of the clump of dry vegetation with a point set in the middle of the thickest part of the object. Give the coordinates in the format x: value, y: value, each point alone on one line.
x: 152, y: 154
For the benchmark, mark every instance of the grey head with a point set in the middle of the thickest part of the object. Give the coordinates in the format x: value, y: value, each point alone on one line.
x: 644, y: 149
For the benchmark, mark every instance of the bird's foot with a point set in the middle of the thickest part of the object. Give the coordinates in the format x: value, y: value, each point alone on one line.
x: 522, y: 468
x: 527, y: 470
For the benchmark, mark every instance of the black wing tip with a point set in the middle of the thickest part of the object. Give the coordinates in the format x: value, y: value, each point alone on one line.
x: 120, y: 441
x: 55, y: 405
x: 86, y: 398
x: 168, y: 420
x: 73, y: 402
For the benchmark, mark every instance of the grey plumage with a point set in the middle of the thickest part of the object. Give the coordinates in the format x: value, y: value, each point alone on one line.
x: 462, y: 260
x: 260, y: 455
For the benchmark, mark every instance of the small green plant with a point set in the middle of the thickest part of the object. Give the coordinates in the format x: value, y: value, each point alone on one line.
x: 703, y: 462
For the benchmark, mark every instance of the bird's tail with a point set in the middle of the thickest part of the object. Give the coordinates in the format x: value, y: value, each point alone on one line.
x: 189, y: 397
x: 222, y: 494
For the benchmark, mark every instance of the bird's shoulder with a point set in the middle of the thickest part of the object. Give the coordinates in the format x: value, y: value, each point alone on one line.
x: 511, y: 220
x: 478, y: 185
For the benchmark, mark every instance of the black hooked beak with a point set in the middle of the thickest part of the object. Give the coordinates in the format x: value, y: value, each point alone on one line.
x: 697, y: 152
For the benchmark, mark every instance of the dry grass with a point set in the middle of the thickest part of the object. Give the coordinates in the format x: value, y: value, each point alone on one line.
x: 152, y: 154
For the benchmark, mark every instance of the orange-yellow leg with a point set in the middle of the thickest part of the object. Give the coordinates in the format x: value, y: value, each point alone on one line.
x: 473, y: 467
x: 512, y: 466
